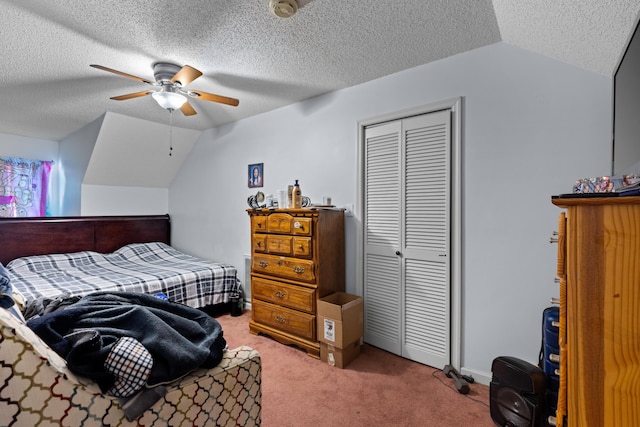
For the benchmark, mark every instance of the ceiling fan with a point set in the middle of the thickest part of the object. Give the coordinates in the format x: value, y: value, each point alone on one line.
x: 170, y: 90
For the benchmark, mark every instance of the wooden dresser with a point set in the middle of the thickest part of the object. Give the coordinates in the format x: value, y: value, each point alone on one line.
x: 599, y: 271
x: 297, y: 257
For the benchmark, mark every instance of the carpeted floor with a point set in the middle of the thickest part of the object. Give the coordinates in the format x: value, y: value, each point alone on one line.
x: 376, y: 389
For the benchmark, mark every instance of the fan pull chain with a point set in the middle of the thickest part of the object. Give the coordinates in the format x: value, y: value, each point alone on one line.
x: 170, y: 132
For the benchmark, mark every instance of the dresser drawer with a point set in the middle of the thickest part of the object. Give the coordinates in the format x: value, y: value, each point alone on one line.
x: 296, y: 297
x: 280, y: 244
x: 294, y: 322
x: 292, y: 268
x: 259, y: 223
x: 302, y: 246
x: 279, y: 223
x: 259, y: 242
x: 282, y: 223
x: 302, y: 226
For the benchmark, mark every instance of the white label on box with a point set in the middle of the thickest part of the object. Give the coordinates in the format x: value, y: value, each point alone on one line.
x: 329, y: 330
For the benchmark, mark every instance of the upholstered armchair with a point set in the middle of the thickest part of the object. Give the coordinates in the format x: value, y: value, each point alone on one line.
x: 37, y: 388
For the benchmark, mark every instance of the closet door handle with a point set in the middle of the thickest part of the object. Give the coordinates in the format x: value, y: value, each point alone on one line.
x: 398, y: 253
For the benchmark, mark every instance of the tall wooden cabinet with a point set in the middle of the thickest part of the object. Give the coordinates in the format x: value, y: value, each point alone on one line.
x: 599, y: 270
x: 297, y: 257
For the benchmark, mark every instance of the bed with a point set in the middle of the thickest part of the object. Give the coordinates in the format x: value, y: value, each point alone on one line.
x: 121, y: 256
x: 61, y: 257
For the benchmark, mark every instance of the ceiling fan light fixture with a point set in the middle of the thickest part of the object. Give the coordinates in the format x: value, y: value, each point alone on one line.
x: 168, y: 88
x: 283, y: 8
x: 169, y: 100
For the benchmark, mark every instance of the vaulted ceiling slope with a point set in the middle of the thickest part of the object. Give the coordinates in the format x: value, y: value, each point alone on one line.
x: 245, y: 52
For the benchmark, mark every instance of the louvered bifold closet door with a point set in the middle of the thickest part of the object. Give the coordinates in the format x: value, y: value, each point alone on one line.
x: 406, y: 241
x: 425, y: 249
x: 382, y: 275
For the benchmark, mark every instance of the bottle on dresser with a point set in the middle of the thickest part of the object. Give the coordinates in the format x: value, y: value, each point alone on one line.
x: 296, y: 196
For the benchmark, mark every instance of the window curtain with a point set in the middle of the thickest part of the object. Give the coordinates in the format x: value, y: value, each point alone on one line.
x: 24, y: 186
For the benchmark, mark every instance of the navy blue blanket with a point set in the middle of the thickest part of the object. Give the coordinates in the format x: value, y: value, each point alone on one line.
x: 179, y: 338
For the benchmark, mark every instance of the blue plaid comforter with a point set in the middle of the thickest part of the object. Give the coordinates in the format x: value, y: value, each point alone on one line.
x: 139, y: 267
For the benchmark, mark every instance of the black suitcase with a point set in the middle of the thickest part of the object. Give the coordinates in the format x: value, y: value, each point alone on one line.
x: 549, y: 357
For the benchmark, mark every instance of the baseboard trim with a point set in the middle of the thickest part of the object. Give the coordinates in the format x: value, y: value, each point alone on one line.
x: 480, y: 377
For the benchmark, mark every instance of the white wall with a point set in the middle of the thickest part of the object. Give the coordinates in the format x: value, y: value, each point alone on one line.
x: 117, y: 200
x: 75, y: 154
x: 131, y: 152
x: 131, y: 166
x: 531, y: 126
x: 119, y: 165
x: 35, y: 149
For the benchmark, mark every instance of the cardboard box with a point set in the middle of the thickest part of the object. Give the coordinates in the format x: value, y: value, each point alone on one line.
x: 340, y: 319
x: 341, y: 356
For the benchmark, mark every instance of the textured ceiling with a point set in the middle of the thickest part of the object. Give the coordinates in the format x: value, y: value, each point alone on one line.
x: 591, y: 34
x: 245, y: 52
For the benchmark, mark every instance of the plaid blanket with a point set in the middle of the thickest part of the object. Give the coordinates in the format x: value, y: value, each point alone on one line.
x: 139, y: 267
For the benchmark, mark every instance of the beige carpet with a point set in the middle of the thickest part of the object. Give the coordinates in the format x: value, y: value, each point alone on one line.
x: 376, y: 389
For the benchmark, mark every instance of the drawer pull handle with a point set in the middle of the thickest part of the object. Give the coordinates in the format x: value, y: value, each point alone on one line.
x: 554, y: 358
x: 280, y: 294
x: 280, y: 320
x: 258, y: 244
x: 297, y: 224
x: 298, y: 269
x: 263, y: 264
x: 301, y: 246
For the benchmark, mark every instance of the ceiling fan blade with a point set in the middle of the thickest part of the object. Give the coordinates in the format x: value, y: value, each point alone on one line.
x: 214, y: 98
x: 132, y: 95
x: 186, y: 75
x: 187, y: 109
x: 120, y: 73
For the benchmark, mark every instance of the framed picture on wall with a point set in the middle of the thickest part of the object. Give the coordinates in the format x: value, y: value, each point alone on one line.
x: 256, y: 175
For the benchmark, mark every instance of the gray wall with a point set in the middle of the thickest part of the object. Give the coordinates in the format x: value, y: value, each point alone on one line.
x: 531, y: 127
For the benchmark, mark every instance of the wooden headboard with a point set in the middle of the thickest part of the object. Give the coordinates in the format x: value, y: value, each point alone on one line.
x: 46, y: 235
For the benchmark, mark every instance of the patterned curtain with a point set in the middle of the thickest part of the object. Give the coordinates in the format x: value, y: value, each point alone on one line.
x: 24, y: 186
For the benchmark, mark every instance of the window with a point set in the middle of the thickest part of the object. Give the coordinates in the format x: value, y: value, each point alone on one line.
x: 24, y: 186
